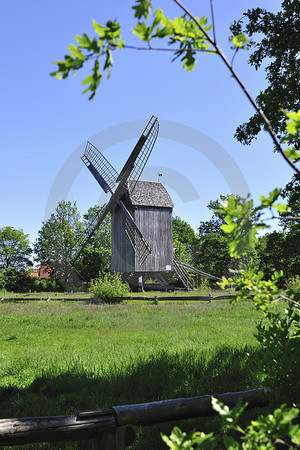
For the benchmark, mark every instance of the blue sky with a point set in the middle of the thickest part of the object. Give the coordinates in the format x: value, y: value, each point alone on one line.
x: 45, y: 122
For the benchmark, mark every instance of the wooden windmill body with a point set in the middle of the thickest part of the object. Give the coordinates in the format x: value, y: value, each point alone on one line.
x: 151, y: 207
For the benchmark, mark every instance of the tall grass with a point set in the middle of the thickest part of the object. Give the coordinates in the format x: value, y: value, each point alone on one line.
x: 58, y: 358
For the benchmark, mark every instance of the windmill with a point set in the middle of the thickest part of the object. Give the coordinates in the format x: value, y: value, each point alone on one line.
x: 116, y: 184
x: 141, y: 225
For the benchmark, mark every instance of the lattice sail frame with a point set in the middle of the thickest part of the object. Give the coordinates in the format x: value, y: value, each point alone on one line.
x: 100, y: 168
x: 151, y: 133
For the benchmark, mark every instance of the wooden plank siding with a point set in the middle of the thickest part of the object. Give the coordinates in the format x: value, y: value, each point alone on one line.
x: 151, y: 207
x: 156, y: 226
x: 122, y: 252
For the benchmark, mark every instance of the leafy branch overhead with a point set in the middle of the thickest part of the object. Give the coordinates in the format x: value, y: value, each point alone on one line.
x: 184, y: 36
x: 96, y: 49
x: 181, y: 31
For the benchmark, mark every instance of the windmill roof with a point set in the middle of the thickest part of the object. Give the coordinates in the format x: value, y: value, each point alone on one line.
x: 148, y: 193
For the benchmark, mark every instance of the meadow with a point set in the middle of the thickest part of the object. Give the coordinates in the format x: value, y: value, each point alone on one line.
x: 60, y: 357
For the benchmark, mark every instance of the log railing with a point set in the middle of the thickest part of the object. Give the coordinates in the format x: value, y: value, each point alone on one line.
x: 108, y: 427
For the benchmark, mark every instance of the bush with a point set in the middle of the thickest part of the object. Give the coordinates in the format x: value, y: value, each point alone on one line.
x: 108, y: 286
x: 275, y: 430
x: 293, y: 287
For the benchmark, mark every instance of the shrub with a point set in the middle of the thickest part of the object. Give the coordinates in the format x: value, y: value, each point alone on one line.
x: 108, y: 286
x: 276, y: 430
x: 293, y: 287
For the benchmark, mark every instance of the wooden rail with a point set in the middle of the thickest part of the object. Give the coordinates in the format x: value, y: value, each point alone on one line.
x: 199, y: 298
x: 107, y: 427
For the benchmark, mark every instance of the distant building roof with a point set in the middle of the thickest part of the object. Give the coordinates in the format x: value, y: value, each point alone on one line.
x: 148, y: 193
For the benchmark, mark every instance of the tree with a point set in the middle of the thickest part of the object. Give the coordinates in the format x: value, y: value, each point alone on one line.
x: 213, y: 254
x: 279, y: 47
x: 57, y: 238
x: 290, y: 220
x: 271, y: 253
x: 213, y: 246
x: 15, y: 249
x: 184, y: 240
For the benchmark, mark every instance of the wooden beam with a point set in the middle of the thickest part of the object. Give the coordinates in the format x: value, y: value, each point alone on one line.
x: 92, y: 424
x: 185, y: 408
x: 54, y: 428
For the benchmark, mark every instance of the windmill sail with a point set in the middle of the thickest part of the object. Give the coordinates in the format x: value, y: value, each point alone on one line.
x: 93, y: 225
x: 140, y: 154
x: 141, y: 247
x: 100, y: 168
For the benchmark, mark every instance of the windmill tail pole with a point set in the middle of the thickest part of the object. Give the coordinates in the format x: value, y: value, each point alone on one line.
x: 92, y: 424
x: 200, y: 272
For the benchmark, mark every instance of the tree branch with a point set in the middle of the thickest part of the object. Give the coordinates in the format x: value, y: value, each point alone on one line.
x: 213, y: 20
x: 163, y: 49
x: 220, y: 52
x: 288, y: 299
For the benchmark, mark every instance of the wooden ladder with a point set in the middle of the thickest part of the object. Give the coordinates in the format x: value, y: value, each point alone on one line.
x: 183, y: 275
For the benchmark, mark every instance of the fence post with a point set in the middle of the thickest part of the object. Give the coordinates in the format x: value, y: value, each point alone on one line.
x: 114, y: 439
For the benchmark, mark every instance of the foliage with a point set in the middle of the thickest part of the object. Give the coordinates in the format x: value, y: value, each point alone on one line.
x: 180, y: 440
x: 293, y: 287
x: 15, y: 249
x: 278, y: 333
x: 57, y: 238
x: 98, y: 48
x: 278, y: 47
x: 279, y: 336
x: 290, y: 219
x: 213, y: 254
x: 184, y: 240
x: 278, y: 251
x: 21, y: 281
x: 243, y: 220
x: 109, y: 285
x: 266, y: 432
x: 182, y: 33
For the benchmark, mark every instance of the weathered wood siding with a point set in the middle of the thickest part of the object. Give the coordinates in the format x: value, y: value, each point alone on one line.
x: 156, y: 225
x: 122, y: 253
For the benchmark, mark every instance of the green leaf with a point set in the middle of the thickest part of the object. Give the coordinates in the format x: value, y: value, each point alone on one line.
x: 230, y: 443
x: 84, y: 41
x: 239, y: 41
x: 142, y: 31
x: 142, y: 8
x: 293, y: 122
x: 98, y: 28
x: 88, y: 79
x: 268, y: 201
x: 292, y: 153
x: 282, y: 208
x: 75, y: 51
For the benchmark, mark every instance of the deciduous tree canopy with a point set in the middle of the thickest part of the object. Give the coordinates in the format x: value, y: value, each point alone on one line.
x: 15, y: 249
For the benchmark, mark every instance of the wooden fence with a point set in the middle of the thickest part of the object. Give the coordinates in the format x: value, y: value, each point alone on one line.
x: 156, y: 299
x: 108, y: 428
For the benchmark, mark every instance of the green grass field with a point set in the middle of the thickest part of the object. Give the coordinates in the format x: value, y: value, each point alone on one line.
x: 59, y: 357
